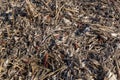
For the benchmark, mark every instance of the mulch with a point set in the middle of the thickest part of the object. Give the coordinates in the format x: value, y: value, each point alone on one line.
x: 59, y: 40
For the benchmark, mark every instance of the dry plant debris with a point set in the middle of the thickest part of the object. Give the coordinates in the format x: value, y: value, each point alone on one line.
x: 59, y: 40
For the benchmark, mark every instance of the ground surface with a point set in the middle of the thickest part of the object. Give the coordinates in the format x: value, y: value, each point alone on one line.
x: 59, y: 39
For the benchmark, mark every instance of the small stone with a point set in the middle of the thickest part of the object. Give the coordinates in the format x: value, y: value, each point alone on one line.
x: 114, y: 34
x: 67, y: 21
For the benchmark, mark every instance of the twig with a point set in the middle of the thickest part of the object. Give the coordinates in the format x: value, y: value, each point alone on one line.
x: 57, y: 14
